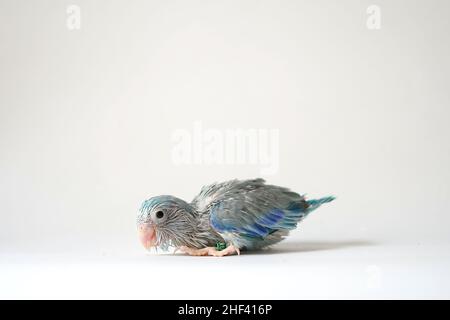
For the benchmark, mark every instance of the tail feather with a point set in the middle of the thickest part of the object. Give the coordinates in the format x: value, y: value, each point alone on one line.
x: 315, y: 203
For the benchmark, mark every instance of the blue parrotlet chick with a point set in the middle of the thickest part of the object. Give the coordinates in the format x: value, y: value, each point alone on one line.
x: 238, y: 214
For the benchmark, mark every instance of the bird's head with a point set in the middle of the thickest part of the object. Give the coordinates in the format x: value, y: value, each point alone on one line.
x: 165, y: 221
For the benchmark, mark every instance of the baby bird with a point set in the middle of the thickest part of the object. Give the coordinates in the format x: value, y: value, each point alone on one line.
x: 241, y: 214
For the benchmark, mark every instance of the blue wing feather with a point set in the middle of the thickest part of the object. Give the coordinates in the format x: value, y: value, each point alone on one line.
x: 258, y: 225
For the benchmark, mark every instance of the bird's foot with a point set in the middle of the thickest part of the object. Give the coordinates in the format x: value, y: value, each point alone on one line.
x: 227, y: 251
x: 210, y: 251
x: 198, y: 252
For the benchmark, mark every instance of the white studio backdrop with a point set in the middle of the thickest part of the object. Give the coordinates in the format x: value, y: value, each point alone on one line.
x: 350, y: 98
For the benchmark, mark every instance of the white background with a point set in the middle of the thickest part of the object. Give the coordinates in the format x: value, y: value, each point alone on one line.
x: 86, y: 118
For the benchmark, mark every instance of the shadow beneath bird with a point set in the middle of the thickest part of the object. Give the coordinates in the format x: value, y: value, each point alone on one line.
x: 299, y: 247
x: 309, y: 246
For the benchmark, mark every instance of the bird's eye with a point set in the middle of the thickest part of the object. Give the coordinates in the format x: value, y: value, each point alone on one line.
x: 159, y: 214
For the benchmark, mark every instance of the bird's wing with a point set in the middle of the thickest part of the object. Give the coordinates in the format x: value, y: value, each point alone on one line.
x: 211, y: 194
x: 254, y: 209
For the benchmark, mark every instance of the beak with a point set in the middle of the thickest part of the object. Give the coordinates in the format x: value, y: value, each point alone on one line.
x: 147, y: 235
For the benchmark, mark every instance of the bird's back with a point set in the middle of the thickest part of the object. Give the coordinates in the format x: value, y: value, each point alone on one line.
x: 216, y: 192
x: 254, y: 190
